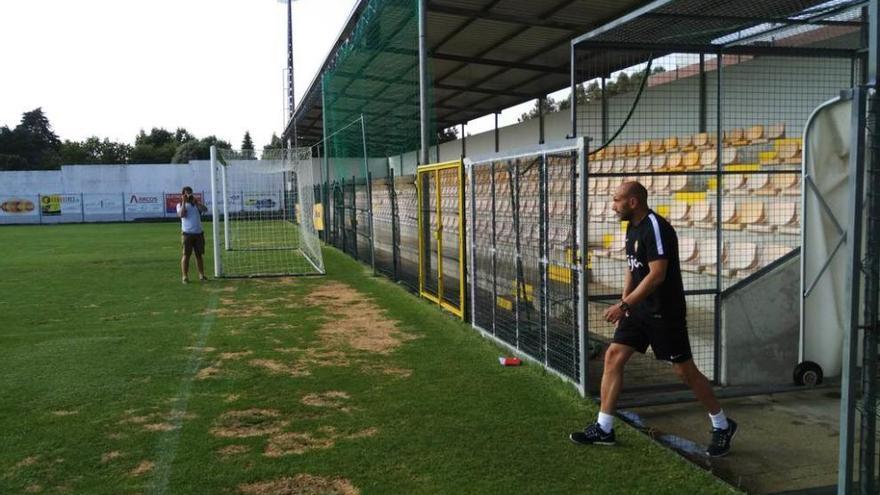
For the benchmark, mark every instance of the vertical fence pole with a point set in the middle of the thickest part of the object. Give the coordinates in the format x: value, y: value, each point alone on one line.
x: 369, y: 196
x: 472, y: 273
x: 573, y: 106
x: 123, y: 207
x: 494, y: 256
x: 423, y: 79
x: 583, y: 292
x: 719, y: 240
x: 395, y: 248
x: 543, y: 218
x: 848, y: 392
x: 82, y: 206
x: 215, y: 220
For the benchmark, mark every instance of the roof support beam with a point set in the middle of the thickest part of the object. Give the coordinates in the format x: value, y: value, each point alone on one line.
x: 488, y: 15
x: 509, y: 64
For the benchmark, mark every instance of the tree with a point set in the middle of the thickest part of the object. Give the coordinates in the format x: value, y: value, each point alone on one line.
x: 95, y: 151
x: 247, y: 144
x: 550, y: 105
x: 197, y: 149
x: 159, y: 146
x: 446, y: 135
x: 274, y: 143
x: 33, y: 141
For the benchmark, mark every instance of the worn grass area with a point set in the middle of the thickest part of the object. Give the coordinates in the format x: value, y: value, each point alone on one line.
x: 116, y: 378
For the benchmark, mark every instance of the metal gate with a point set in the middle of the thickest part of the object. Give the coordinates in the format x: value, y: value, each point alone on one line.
x: 441, y: 235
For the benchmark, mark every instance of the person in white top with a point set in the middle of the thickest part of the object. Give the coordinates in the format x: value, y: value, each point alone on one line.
x: 190, y: 212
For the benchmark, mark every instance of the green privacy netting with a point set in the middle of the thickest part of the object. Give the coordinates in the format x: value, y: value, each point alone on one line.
x: 375, y: 75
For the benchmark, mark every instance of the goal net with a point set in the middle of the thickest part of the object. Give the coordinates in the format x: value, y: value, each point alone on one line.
x: 264, y: 219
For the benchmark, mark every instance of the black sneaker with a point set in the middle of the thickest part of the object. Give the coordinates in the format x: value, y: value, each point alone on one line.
x: 592, y: 435
x: 719, y: 446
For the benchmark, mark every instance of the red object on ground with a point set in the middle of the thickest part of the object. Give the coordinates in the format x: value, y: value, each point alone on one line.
x: 509, y: 361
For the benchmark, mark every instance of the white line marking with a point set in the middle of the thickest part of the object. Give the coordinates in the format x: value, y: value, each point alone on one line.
x: 167, y: 445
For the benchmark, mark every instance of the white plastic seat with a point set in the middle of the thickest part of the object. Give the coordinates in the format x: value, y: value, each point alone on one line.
x: 751, y: 213
x: 679, y: 214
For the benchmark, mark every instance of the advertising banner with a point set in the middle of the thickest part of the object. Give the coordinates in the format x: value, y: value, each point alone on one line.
x: 97, y: 204
x: 144, y: 203
x: 60, y: 204
x: 18, y: 206
x: 173, y: 199
x: 254, y: 202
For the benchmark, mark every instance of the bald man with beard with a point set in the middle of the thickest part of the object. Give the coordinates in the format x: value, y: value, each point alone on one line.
x: 651, y: 312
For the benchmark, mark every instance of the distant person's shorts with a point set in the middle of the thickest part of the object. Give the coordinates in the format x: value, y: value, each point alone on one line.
x: 194, y: 242
x: 668, y: 339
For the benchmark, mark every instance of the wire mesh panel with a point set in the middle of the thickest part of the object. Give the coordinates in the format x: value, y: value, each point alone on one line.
x: 522, y: 249
x: 267, y: 211
x: 715, y: 139
x: 441, y: 245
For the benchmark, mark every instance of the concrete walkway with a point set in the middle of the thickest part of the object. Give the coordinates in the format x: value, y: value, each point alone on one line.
x: 786, y: 441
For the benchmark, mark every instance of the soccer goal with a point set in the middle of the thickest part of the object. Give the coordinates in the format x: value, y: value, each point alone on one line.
x: 264, y: 217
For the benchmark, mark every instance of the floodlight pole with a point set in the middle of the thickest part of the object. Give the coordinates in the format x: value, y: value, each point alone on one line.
x: 290, y: 95
x: 423, y: 80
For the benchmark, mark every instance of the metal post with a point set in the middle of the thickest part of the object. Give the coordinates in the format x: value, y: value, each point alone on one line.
x: 369, y: 196
x: 573, y: 96
x: 719, y: 143
x: 848, y: 393
x: 541, y: 119
x: 423, y: 79
x: 324, y: 111
x: 462, y: 239
x: 395, y: 232
x: 82, y: 206
x: 291, y: 100
x: 702, y: 108
x: 463, y: 143
x: 543, y: 217
x: 494, y: 255
x: 123, y: 208
x: 583, y: 322
x: 497, y: 140
x: 604, y: 112
x: 215, y: 220
x: 472, y: 259
x: 514, y: 208
x: 872, y: 275
x: 227, y: 238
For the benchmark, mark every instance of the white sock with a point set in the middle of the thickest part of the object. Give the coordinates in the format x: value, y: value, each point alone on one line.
x: 719, y: 420
x: 606, y: 422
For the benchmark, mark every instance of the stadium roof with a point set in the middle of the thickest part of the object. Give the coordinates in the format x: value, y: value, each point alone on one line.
x: 488, y: 55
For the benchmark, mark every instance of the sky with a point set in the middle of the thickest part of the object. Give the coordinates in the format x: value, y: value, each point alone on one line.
x: 110, y: 68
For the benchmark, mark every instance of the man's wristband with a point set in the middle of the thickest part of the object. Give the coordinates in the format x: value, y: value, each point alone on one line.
x: 623, y: 305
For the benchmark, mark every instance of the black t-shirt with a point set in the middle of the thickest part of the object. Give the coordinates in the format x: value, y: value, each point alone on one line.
x: 654, y: 239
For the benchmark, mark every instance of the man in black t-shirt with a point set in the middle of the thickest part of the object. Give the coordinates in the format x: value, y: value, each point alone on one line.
x: 651, y: 312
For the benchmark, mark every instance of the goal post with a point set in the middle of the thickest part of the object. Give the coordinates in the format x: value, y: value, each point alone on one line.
x: 263, y: 220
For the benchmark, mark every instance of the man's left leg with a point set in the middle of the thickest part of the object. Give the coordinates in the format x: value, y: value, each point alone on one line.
x: 723, y: 429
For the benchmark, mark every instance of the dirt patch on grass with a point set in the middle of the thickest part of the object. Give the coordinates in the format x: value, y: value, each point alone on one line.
x: 208, y: 372
x: 360, y: 324
x: 233, y: 450
x: 26, y: 462
x: 301, y: 484
x: 232, y: 356
x: 109, y: 456
x: 294, y: 443
x: 332, y: 399
x: 33, y: 489
x: 203, y: 349
x: 279, y: 368
x: 248, y: 423
x: 297, y: 443
x: 65, y: 413
x: 231, y: 398
x: 159, y: 427
x: 143, y: 468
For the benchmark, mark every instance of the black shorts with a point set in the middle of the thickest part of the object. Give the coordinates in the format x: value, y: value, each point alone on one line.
x: 194, y: 242
x: 668, y: 339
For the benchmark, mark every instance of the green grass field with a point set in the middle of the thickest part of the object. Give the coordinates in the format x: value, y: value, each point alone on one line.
x: 117, y: 379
